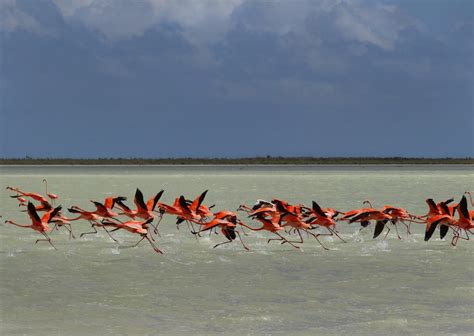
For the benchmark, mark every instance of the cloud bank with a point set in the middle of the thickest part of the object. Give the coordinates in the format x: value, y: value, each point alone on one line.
x: 231, y: 78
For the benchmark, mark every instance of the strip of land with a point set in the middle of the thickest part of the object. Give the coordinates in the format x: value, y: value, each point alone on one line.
x: 266, y: 160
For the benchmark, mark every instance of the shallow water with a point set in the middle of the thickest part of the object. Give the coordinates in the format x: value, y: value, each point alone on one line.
x: 95, y: 286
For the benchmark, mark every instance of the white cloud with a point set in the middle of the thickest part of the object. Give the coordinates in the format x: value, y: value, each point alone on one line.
x: 69, y: 7
x: 114, y: 18
x: 12, y: 18
x: 205, y: 22
x: 201, y: 21
x: 377, y: 24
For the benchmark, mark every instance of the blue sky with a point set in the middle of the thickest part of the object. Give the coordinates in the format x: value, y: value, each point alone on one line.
x: 155, y: 78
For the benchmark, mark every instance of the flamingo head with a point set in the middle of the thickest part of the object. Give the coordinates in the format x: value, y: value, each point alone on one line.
x: 241, y: 207
x: 367, y: 202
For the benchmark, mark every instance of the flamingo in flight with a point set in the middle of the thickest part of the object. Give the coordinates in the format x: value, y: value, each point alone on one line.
x: 92, y: 218
x: 227, y: 222
x: 324, y: 218
x: 39, y: 224
x: 269, y: 225
x: 275, y: 216
x: 294, y: 220
x: 136, y: 227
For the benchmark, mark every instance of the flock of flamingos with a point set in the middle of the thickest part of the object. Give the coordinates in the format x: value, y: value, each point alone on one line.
x: 288, y: 223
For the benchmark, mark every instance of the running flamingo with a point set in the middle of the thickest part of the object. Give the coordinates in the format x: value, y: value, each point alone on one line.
x: 227, y: 222
x: 39, y: 224
x: 136, y: 227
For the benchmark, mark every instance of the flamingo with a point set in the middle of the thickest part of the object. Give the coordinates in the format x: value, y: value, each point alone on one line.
x: 37, y: 223
x: 464, y: 223
x: 227, y: 221
x: 52, y: 197
x: 102, y: 210
x: 293, y: 220
x: 194, y: 211
x: 136, y: 227
x: 92, y: 218
x: 438, y: 214
x: 380, y: 218
x: 143, y: 210
x: 61, y: 221
x: 109, y: 202
x: 325, y: 219
x: 35, y: 196
x: 270, y: 226
x: 185, y: 210
x: 21, y: 200
x: 353, y: 213
x: 259, y: 204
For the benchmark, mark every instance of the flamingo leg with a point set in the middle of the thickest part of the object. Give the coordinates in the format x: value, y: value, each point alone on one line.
x: 69, y: 229
x: 191, y: 227
x: 284, y: 239
x: 155, y: 228
x: 280, y: 239
x: 334, y: 231
x: 454, y: 241
x: 293, y: 241
x: 157, y: 250
x: 245, y: 247
x: 243, y: 231
x: 458, y: 236
x: 407, y: 226
x: 396, y: 230
x: 48, y: 239
x: 316, y: 237
x: 226, y: 242
x: 92, y: 232
x: 139, y: 241
x: 388, y: 230
x: 71, y: 233
x: 108, y: 232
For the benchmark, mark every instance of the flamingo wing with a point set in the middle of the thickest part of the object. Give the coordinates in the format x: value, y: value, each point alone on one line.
x: 362, y: 215
x: 462, y: 208
x: 317, y: 209
x: 123, y: 206
x: 183, y: 204
x: 100, y: 207
x: 432, y: 223
x: 198, y: 201
x: 152, y: 202
x: 379, y: 226
x: 32, y: 213
x: 139, y: 201
x: 48, y: 217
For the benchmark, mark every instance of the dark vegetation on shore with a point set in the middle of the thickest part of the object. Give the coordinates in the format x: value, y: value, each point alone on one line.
x: 264, y: 160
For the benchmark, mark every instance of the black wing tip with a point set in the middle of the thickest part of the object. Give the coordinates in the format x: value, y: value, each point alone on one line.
x: 379, y: 226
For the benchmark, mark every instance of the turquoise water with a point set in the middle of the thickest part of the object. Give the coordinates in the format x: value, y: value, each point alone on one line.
x: 362, y: 287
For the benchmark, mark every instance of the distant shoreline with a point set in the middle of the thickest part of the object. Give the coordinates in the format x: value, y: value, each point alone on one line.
x: 242, y: 161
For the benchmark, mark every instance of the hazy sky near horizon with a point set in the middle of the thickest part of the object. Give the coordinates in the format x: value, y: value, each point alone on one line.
x: 156, y: 78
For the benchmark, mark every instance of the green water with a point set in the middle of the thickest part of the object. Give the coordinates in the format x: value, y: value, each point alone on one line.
x: 93, y: 286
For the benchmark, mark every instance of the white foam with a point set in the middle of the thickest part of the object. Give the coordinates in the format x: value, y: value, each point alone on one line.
x: 115, y: 250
